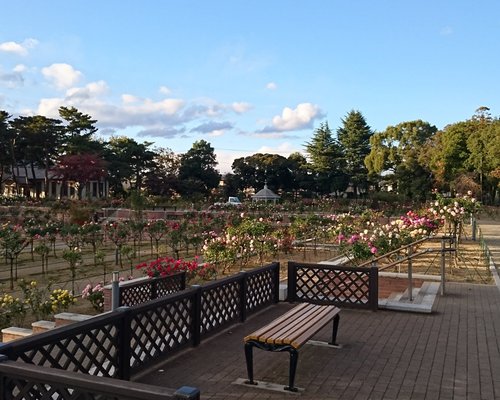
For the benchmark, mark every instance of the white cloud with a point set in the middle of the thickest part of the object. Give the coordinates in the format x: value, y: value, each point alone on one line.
x: 165, y: 90
x: 165, y: 107
x: 272, y: 86
x: 299, y: 118
x: 151, y: 116
x: 225, y: 159
x: 213, y: 128
x: 11, y: 79
x: 62, y: 75
x: 129, y: 98
x: 241, y: 107
x: 50, y: 107
x: 216, y: 133
x: 20, y: 68
x: 20, y: 49
x: 89, y: 91
x: 284, y: 149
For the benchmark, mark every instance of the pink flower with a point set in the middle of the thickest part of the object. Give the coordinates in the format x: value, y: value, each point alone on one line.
x: 373, y: 250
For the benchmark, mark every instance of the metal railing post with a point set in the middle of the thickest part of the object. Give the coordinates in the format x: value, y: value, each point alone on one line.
x: 292, y: 281
x: 373, y: 287
x: 443, y: 265
x: 474, y: 227
x: 410, y: 273
x: 115, y: 291
x: 243, y: 295
x: 124, y: 344
x: 196, y: 316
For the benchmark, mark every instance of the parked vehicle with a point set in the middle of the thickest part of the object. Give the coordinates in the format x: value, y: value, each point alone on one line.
x: 232, y: 201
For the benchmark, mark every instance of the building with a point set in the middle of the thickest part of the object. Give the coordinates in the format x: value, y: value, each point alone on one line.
x: 29, y: 182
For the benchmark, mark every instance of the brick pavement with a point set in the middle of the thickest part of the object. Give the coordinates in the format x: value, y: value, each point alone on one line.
x: 453, y: 353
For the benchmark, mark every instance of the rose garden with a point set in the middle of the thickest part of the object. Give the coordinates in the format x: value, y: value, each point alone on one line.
x: 54, y: 261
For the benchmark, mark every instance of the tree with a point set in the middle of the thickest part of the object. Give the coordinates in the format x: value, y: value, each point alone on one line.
x: 163, y: 177
x: 258, y: 169
x: 6, y: 145
x: 326, y: 161
x: 80, y: 168
x: 37, y: 143
x: 79, y: 130
x: 302, y: 177
x: 354, y: 139
x: 128, y: 162
x: 484, y: 148
x: 398, y: 153
x: 197, y: 172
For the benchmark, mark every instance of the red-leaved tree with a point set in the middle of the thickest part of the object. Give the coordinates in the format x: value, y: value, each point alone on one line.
x: 80, y: 168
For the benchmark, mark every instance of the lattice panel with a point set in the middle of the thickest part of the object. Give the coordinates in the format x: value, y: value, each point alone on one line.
x: 130, y: 296
x: 168, y: 286
x: 151, y: 289
x: 219, y: 306
x: 94, y: 352
x: 159, y: 331
x: 332, y: 286
x: 260, y: 290
x: 20, y: 389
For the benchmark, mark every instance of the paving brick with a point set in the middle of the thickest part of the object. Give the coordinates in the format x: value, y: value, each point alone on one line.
x: 453, y: 353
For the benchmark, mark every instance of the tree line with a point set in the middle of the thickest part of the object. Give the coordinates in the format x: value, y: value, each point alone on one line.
x: 410, y: 158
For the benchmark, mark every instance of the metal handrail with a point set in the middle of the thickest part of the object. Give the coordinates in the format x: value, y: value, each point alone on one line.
x: 411, y: 255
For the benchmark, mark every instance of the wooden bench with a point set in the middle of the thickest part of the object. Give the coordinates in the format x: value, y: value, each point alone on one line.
x: 289, y: 333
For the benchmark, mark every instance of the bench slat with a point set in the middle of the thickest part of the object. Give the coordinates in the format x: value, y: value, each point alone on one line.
x: 290, y: 331
x: 267, y: 329
x: 322, y: 322
x: 296, y: 326
x: 291, y: 327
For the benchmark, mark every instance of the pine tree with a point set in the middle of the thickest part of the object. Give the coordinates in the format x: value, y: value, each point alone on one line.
x: 354, y: 139
x: 326, y: 160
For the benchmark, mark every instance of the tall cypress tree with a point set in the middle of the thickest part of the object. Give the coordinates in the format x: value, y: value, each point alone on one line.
x: 326, y: 160
x: 354, y: 139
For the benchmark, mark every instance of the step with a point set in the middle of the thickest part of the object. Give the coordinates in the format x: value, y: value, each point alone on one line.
x: 67, y: 318
x: 14, y: 333
x: 42, y: 326
x: 423, y: 299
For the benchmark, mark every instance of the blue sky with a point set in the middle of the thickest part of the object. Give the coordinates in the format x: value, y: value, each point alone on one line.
x: 248, y: 76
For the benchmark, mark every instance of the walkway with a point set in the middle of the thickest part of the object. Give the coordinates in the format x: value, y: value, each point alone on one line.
x: 453, y: 353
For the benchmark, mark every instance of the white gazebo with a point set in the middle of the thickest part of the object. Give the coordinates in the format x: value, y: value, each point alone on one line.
x: 266, y: 195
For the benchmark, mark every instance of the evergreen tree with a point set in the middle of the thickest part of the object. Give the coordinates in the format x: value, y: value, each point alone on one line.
x: 326, y: 161
x: 354, y: 139
x: 197, y: 173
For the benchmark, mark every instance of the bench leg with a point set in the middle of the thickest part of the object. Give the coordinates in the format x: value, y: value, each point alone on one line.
x: 294, y: 358
x: 249, y: 359
x: 336, y: 320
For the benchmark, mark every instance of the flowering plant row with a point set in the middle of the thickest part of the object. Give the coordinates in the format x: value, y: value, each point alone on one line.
x: 165, y: 266
x: 41, y: 302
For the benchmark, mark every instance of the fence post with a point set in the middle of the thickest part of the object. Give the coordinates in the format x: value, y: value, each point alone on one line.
x: 187, y: 392
x: 196, y: 316
x: 277, y: 282
x: 443, y: 265
x: 154, y: 288
x: 182, y: 285
x: 474, y: 227
x: 410, y: 273
x: 373, y: 282
x: 243, y: 295
x: 115, y: 291
x: 124, y: 338
x: 292, y: 281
